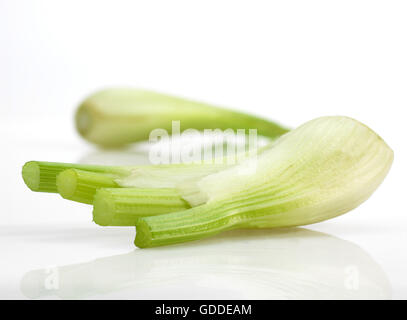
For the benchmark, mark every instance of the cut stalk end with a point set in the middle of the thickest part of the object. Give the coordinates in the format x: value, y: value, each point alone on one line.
x: 103, y: 208
x: 31, y: 175
x: 67, y: 183
x: 143, y: 235
x: 83, y: 121
x: 81, y: 186
x: 40, y: 176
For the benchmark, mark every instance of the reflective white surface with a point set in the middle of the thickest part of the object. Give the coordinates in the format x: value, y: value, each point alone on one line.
x: 285, y: 60
x: 247, y: 264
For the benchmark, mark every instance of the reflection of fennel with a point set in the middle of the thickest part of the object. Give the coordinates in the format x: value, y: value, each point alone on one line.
x: 259, y: 264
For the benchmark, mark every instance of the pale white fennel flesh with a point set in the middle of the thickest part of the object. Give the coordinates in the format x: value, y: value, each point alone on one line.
x: 320, y: 170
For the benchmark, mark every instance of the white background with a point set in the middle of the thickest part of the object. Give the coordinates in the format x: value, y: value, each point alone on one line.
x: 290, y: 61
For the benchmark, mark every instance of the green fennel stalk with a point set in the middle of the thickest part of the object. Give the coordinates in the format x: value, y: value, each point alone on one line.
x: 41, y: 176
x: 79, y: 182
x: 124, y: 206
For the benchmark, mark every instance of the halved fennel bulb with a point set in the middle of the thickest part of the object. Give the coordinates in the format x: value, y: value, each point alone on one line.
x: 320, y: 170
